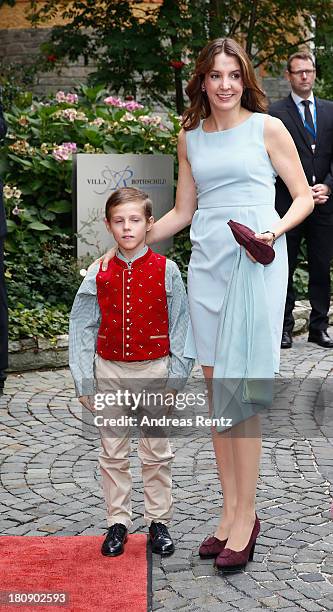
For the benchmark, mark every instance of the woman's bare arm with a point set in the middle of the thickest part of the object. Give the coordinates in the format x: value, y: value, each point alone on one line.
x: 285, y: 159
x: 186, y: 200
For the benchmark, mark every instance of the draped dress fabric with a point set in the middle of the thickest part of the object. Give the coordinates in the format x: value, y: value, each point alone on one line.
x: 235, y: 180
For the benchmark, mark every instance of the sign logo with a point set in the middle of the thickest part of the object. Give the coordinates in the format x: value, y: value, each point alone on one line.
x: 112, y: 179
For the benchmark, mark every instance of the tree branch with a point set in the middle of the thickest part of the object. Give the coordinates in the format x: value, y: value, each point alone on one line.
x: 287, y: 48
x: 250, y: 35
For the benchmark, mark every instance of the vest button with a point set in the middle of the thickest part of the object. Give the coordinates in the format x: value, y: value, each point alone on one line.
x: 127, y: 353
x: 129, y: 272
x: 127, y: 303
x: 127, y: 336
x: 127, y: 295
x: 127, y: 313
x: 127, y: 345
x: 127, y: 321
x: 127, y: 328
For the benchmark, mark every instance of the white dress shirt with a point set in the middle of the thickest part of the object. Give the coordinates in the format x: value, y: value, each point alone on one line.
x: 298, y: 101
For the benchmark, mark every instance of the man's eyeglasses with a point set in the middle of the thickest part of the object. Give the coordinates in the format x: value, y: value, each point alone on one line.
x: 301, y: 72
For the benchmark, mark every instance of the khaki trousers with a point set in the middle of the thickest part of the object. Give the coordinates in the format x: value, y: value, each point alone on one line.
x: 155, y: 453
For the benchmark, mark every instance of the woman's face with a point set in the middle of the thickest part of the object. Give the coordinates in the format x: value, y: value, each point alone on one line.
x: 224, y: 83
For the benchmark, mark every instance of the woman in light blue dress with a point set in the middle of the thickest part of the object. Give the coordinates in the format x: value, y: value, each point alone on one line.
x: 229, y: 153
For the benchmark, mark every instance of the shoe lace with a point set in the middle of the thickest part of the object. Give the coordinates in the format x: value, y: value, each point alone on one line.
x: 117, y: 530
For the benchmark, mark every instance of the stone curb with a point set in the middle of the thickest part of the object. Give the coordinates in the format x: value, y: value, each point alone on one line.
x: 39, y: 353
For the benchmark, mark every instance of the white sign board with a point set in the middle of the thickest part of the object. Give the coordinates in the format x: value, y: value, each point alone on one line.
x: 97, y: 176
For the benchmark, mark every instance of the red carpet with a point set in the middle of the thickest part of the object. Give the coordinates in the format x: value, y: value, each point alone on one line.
x: 74, y: 564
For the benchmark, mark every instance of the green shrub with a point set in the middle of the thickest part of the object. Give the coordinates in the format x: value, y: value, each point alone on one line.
x: 42, y: 322
x: 49, y: 276
x: 180, y: 252
x: 301, y: 280
x: 41, y: 286
x: 15, y: 79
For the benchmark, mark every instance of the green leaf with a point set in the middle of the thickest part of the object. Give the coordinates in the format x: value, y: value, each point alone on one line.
x: 47, y: 215
x: 62, y: 206
x: 11, y: 225
x: 20, y: 160
x: 4, y: 165
x: 47, y: 164
x: 36, y: 184
x: 40, y: 227
x: 43, y: 199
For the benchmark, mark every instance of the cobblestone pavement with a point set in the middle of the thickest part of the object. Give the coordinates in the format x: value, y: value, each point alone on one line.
x: 50, y: 485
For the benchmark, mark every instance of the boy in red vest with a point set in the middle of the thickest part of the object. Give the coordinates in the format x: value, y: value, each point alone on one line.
x: 129, y: 323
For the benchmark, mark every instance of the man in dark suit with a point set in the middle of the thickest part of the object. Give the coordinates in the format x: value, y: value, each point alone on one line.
x: 310, y: 123
x: 3, y: 296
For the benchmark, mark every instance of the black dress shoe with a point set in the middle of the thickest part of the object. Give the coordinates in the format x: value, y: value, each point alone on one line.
x: 160, y: 539
x: 286, y: 340
x: 320, y: 337
x: 113, y: 544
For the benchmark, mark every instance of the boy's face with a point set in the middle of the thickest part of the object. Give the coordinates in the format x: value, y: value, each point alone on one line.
x: 129, y: 226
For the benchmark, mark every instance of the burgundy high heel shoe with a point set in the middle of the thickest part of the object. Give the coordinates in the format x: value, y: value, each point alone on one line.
x: 211, y: 547
x: 229, y: 561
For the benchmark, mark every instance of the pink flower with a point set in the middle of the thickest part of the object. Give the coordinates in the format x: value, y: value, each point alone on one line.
x: 69, y: 113
x: 70, y: 146
x: 64, y: 151
x: 60, y: 96
x: 155, y: 121
x: 60, y: 154
x: 132, y: 105
x: 71, y: 98
x: 112, y: 101
x: 98, y: 121
x: 145, y: 119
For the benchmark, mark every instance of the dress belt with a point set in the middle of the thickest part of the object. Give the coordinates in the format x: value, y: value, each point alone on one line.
x: 246, y: 205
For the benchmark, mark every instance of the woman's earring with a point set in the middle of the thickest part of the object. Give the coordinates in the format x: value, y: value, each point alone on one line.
x: 203, y: 88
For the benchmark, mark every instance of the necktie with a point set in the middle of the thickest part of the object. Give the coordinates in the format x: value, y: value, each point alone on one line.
x: 309, y: 121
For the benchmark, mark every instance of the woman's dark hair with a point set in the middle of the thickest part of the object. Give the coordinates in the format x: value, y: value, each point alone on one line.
x: 253, y: 98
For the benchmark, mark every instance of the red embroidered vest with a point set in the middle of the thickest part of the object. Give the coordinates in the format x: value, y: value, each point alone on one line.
x: 133, y: 303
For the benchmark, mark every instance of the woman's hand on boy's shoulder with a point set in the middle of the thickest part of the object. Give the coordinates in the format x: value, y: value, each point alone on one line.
x: 106, y: 258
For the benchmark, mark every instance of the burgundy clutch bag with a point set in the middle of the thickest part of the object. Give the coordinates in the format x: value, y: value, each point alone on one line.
x: 262, y: 252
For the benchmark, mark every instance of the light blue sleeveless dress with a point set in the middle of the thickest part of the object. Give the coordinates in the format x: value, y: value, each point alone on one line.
x: 235, y: 180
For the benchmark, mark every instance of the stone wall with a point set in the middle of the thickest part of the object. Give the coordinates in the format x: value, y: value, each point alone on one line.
x: 275, y: 87
x: 21, y: 46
